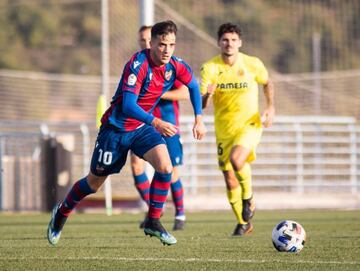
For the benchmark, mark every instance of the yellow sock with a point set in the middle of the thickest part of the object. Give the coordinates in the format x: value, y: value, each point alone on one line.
x: 244, y: 178
x: 235, y: 199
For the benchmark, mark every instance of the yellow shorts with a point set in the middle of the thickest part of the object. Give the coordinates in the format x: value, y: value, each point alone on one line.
x: 247, y: 137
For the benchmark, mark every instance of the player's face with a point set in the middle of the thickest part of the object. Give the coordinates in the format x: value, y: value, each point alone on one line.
x: 229, y: 44
x: 144, y: 38
x: 162, y: 48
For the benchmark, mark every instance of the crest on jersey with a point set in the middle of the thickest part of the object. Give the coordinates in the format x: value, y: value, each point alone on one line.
x: 168, y: 75
x: 136, y: 63
x: 241, y: 72
x: 131, y: 79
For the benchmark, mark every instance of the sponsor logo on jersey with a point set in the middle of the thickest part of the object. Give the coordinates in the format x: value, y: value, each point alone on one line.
x: 131, y: 79
x: 168, y: 75
x: 232, y: 85
x: 136, y: 63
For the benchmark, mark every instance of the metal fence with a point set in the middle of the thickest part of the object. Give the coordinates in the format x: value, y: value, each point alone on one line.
x: 298, y: 154
x: 20, y: 186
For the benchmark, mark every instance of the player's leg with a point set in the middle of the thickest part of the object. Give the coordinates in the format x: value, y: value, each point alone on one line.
x: 242, y: 154
x: 234, y: 194
x: 238, y: 157
x: 159, y: 158
x: 176, y: 155
x: 107, y: 158
x: 177, y: 192
x: 151, y: 146
x: 234, y: 191
x: 141, y: 180
x: 82, y: 188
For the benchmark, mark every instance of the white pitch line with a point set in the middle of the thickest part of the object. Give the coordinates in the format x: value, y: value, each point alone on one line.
x: 125, y: 259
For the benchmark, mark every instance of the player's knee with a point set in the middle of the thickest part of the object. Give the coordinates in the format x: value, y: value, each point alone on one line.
x: 95, y: 182
x: 231, y: 183
x: 236, y: 163
x: 165, y: 168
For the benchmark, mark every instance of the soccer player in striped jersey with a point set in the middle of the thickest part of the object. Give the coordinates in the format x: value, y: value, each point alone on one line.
x: 167, y: 110
x: 232, y: 79
x: 128, y: 124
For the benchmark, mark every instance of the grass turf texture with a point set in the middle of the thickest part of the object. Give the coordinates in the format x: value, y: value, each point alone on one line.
x: 98, y: 242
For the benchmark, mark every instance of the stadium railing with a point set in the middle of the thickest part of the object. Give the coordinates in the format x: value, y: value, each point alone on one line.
x: 298, y: 154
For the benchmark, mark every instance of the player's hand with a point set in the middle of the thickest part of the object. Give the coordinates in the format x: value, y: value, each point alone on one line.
x: 211, y: 89
x: 164, y: 128
x: 209, y: 93
x: 267, y: 117
x: 199, y: 129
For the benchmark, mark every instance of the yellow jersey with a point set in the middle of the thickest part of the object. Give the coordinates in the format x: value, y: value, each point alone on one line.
x: 236, y: 96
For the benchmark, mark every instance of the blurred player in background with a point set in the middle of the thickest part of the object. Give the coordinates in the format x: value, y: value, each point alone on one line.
x: 167, y: 110
x: 128, y: 124
x: 232, y: 79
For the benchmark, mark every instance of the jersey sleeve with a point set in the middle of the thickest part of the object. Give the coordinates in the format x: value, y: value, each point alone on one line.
x: 208, y: 76
x: 133, y: 110
x: 261, y: 75
x: 184, y: 73
x: 133, y: 76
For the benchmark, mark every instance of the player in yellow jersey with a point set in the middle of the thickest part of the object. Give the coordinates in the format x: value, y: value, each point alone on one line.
x: 232, y: 79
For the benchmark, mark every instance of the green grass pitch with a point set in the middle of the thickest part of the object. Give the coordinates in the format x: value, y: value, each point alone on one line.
x: 99, y: 242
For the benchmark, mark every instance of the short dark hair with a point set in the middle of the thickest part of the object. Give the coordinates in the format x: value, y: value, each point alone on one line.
x: 228, y: 28
x: 163, y: 28
x: 144, y: 27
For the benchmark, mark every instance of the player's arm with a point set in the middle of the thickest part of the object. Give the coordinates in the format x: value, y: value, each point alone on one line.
x: 186, y: 76
x: 262, y: 77
x: 207, y: 87
x: 180, y: 93
x: 269, y: 112
x: 131, y: 87
x: 133, y: 110
x: 199, y: 128
x: 209, y: 93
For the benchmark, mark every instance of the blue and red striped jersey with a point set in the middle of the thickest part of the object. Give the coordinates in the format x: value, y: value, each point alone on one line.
x: 142, y: 77
x: 168, y: 110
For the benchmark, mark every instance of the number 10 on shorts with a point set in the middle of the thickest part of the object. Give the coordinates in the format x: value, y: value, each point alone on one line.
x: 105, y: 157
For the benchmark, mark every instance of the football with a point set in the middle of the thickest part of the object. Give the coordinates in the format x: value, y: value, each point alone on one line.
x: 288, y: 236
